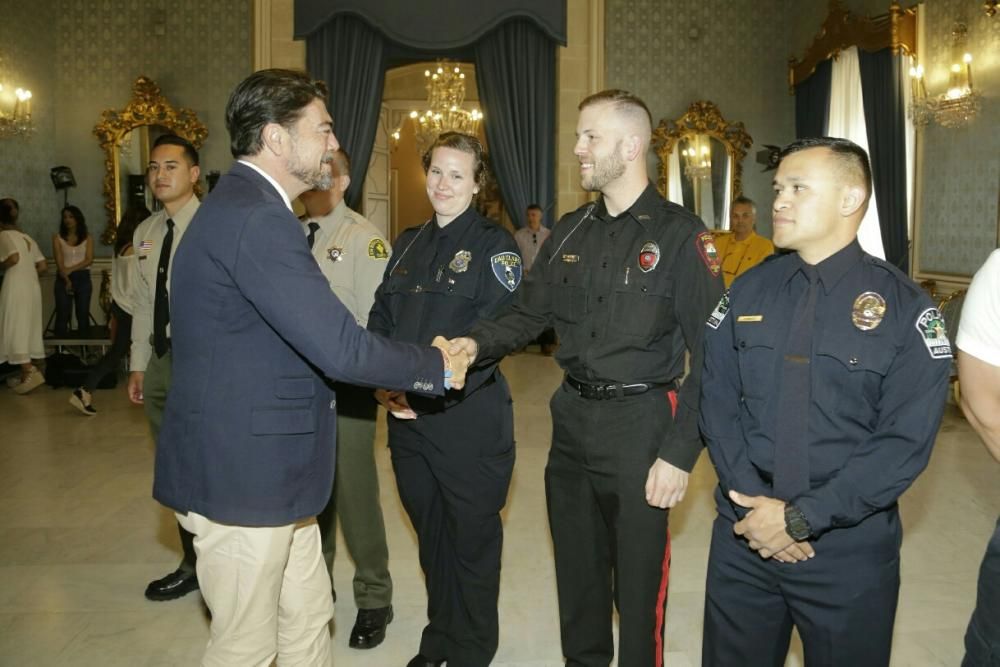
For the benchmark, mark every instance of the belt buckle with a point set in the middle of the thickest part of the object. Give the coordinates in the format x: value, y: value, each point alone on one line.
x: 606, y: 392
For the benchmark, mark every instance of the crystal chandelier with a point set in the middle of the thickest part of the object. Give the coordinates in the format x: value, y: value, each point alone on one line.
x: 444, y: 113
x: 958, y: 105
x: 15, y: 120
x: 697, y: 158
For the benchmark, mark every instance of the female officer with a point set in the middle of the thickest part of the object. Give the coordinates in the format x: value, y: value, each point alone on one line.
x: 453, y: 456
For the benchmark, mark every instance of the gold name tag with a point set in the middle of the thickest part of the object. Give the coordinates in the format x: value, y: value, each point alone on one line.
x: 571, y: 259
x: 750, y: 318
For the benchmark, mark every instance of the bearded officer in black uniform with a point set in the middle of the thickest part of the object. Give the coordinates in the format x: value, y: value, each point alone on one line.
x: 626, y: 282
x: 826, y: 372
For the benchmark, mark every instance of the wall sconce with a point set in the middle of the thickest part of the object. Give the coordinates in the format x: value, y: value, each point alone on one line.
x: 958, y: 105
x: 15, y: 121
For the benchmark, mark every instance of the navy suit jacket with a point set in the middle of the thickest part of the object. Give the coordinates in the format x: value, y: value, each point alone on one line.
x: 248, y: 430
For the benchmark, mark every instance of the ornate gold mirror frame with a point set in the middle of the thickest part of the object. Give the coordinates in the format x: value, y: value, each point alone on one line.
x: 702, y: 118
x: 147, y: 107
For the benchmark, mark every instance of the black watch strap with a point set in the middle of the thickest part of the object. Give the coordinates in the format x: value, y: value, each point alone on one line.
x: 796, y: 524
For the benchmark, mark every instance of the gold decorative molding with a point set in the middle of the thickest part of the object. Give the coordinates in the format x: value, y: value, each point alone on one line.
x: 842, y: 29
x: 147, y: 107
x: 702, y: 117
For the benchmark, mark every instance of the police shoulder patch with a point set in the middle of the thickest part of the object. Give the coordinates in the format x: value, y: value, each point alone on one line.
x: 507, y: 269
x: 719, y: 314
x: 705, y: 243
x: 930, y: 325
x: 377, y: 250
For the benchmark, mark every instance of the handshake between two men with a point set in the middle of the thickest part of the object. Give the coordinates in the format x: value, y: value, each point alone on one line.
x: 458, y: 354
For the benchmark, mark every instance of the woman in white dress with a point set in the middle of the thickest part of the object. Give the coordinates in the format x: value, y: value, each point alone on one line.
x: 20, y: 300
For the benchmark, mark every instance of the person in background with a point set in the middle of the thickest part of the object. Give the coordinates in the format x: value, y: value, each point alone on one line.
x: 20, y: 300
x: 979, y: 373
x: 123, y: 267
x: 352, y: 254
x: 529, y: 240
x: 73, y: 249
x: 744, y: 248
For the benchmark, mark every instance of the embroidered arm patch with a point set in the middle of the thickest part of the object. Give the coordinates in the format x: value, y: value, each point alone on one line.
x: 708, y: 252
x: 507, y: 269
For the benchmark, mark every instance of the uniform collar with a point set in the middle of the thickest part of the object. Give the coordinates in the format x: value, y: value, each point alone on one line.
x: 643, y: 210
x: 184, y: 215
x: 833, y: 268
x: 456, y: 226
x: 338, y: 215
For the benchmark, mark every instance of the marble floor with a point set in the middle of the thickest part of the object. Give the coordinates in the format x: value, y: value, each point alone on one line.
x: 80, y: 537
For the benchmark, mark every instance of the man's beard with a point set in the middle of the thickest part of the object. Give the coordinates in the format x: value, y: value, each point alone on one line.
x: 315, y: 177
x: 605, y: 171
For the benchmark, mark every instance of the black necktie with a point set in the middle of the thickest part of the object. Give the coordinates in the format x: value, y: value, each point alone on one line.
x: 791, y: 445
x: 161, y: 302
x: 313, y: 227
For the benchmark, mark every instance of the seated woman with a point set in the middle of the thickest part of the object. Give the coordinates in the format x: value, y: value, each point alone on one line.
x: 123, y: 266
x: 73, y: 249
x: 20, y: 300
x: 453, y: 456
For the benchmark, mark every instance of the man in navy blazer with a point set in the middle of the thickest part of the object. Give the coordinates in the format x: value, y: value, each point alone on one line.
x: 244, y: 457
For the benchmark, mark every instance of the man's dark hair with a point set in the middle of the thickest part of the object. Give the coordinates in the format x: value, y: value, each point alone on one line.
x: 746, y: 200
x: 852, y: 159
x: 190, y: 152
x: 268, y: 96
x: 533, y: 207
x: 466, y: 143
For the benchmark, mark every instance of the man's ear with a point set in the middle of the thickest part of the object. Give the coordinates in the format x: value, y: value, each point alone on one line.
x: 195, y: 173
x: 273, y: 137
x: 632, y: 147
x: 853, y: 199
x: 344, y: 182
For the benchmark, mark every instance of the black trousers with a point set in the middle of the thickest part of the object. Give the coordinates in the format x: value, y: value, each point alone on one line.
x: 610, y: 546
x: 453, y: 469
x: 843, y: 601
x: 982, y: 639
x: 78, y: 301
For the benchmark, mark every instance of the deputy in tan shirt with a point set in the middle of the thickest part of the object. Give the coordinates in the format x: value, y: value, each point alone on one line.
x: 353, y: 254
x: 743, y: 248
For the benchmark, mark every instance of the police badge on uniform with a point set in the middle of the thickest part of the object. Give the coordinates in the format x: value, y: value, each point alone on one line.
x: 649, y: 256
x: 460, y: 262
x: 930, y: 324
x: 335, y: 254
x: 507, y: 269
x: 868, y: 310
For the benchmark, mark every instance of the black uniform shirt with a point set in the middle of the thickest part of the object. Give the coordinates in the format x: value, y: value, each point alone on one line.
x: 879, y: 377
x: 439, y: 281
x: 626, y: 295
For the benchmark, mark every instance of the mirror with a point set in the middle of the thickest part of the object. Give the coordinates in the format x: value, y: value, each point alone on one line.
x: 701, y: 162
x: 126, y: 136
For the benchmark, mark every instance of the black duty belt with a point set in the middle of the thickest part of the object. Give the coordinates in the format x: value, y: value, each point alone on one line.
x: 603, y: 392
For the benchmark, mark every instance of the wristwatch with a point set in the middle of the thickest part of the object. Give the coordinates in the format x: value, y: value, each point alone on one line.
x: 796, y: 524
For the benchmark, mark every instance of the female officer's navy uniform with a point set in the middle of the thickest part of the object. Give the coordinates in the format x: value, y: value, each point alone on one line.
x: 454, y: 462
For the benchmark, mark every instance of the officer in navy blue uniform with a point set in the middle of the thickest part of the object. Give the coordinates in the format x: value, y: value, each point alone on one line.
x: 826, y: 372
x: 454, y: 455
x: 627, y: 283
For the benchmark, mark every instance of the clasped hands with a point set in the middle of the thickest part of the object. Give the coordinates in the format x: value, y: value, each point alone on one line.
x: 764, y: 529
x: 457, y: 359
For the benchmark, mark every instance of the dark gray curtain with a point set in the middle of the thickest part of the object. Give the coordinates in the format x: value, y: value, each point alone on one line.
x: 349, y: 56
x: 812, y: 103
x: 516, y: 75
x: 882, y: 89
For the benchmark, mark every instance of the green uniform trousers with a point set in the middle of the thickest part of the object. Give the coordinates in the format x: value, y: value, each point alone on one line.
x: 355, y: 500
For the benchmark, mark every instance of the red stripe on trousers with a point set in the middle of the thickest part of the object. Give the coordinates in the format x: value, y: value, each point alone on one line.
x: 661, y: 596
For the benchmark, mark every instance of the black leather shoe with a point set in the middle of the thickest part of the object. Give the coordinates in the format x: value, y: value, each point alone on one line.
x: 175, y: 585
x: 420, y: 660
x: 369, y: 628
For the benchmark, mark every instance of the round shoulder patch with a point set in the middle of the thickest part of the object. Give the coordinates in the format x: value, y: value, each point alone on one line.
x: 377, y: 249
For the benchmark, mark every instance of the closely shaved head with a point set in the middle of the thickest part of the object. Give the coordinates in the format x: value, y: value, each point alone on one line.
x: 631, y: 110
x: 852, y: 163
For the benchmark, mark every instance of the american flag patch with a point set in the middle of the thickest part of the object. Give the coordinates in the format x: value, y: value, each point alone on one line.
x: 146, y: 246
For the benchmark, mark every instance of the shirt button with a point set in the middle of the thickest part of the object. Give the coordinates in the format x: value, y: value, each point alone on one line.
x: 600, y: 299
x: 565, y: 280
x: 333, y: 404
x: 593, y: 334
x: 743, y: 343
x: 853, y: 361
x: 604, y: 265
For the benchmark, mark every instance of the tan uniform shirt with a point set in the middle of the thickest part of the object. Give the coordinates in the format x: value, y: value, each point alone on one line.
x: 147, y: 243
x: 352, y: 255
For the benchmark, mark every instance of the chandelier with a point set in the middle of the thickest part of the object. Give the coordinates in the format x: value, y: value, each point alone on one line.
x: 960, y: 103
x: 697, y: 158
x: 15, y: 121
x: 444, y: 113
